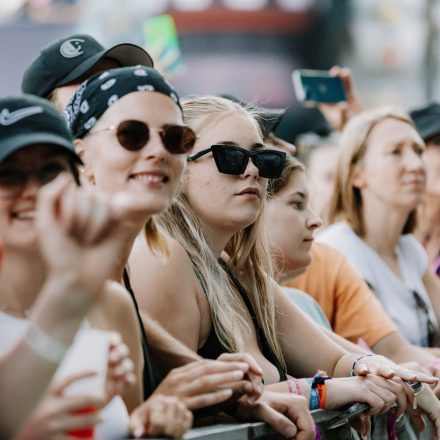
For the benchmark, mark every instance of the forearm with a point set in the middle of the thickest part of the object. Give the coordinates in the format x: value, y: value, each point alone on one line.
x: 345, y: 343
x: 167, y: 351
x: 56, y: 317
x: 399, y: 350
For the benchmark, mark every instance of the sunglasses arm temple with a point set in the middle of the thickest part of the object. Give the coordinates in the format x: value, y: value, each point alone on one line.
x: 197, y: 155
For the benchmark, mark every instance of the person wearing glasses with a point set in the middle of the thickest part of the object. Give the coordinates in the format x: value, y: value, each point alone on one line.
x: 128, y: 130
x: 380, y: 181
x: 216, y: 292
x: 60, y: 246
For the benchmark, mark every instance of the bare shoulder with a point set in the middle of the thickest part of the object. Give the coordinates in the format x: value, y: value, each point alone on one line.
x: 167, y: 289
x: 116, y: 301
x: 170, y: 272
x: 114, y: 308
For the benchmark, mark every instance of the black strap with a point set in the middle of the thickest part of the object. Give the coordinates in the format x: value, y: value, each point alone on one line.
x: 151, y: 374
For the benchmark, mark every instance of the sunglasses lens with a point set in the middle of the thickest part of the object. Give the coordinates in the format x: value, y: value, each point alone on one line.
x: 133, y: 135
x: 270, y: 163
x: 229, y: 159
x: 178, y: 139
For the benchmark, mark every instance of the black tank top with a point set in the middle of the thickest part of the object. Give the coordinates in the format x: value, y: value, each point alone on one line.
x: 151, y: 374
x: 213, y: 348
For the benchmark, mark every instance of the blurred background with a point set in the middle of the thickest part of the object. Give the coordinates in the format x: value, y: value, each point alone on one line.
x: 249, y: 47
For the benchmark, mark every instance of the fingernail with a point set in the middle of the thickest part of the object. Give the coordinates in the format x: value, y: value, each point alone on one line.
x: 415, y: 403
x: 138, y: 432
x: 290, y: 432
x: 399, y: 418
x: 364, y: 437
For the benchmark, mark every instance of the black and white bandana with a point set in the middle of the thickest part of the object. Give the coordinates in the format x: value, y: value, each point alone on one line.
x: 99, y: 92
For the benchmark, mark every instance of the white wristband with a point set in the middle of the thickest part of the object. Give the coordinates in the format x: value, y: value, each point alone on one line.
x: 49, y: 348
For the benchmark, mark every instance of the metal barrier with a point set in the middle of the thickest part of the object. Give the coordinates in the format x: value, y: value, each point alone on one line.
x: 332, y: 425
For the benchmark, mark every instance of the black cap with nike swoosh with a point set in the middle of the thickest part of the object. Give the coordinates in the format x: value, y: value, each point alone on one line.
x: 29, y: 120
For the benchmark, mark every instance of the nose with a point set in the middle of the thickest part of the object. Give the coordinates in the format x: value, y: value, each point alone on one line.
x: 313, y: 220
x: 251, y: 170
x: 413, y: 161
x: 30, y: 187
x: 154, y: 148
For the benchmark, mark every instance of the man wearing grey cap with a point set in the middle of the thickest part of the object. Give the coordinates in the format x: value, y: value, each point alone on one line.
x: 64, y: 64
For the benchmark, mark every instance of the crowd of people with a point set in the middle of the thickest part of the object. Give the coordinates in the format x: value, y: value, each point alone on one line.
x: 162, y: 262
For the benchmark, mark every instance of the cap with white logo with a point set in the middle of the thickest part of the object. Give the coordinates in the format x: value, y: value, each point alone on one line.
x: 28, y: 120
x: 69, y: 59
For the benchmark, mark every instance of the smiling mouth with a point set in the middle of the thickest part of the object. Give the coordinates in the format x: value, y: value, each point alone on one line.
x: 24, y: 215
x: 150, y: 178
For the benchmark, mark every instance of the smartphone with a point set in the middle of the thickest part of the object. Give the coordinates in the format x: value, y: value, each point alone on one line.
x: 315, y: 86
x: 161, y: 39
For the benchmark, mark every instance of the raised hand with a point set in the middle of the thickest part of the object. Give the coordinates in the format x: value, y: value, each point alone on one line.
x: 339, y: 114
x: 76, y: 229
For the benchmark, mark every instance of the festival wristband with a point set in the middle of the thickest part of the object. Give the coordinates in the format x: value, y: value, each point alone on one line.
x: 314, y: 396
x: 352, y: 371
x: 297, y: 387
x: 49, y: 348
x: 319, y: 385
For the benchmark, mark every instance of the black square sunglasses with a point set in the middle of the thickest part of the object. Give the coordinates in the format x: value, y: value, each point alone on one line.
x: 230, y: 159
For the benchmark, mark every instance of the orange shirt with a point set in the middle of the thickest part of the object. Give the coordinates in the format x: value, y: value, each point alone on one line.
x: 350, y: 306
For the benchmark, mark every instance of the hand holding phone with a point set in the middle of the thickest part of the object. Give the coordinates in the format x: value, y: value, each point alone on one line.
x: 316, y: 86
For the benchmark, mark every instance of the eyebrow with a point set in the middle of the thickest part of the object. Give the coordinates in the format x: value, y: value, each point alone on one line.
x: 298, y: 193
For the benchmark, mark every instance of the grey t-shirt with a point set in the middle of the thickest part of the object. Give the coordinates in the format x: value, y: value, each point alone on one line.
x: 405, y: 299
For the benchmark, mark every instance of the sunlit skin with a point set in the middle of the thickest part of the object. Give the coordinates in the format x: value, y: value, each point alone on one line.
x: 151, y: 174
x: 237, y: 199
x: 290, y: 225
x: 17, y: 205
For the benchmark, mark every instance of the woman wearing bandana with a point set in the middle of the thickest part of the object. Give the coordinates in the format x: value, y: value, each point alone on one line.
x: 128, y: 130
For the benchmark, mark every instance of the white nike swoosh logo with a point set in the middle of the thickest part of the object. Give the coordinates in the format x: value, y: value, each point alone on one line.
x: 9, y: 118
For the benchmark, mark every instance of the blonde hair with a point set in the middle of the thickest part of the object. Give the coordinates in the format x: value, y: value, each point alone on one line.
x: 248, y: 257
x: 346, y: 200
x: 291, y: 165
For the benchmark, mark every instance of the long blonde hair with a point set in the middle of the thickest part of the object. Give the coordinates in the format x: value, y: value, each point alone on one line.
x: 346, y: 200
x: 248, y: 256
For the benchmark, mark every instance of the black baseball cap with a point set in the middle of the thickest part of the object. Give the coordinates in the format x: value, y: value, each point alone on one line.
x: 70, y: 58
x: 28, y: 120
x: 268, y: 118
x: 427, y: 121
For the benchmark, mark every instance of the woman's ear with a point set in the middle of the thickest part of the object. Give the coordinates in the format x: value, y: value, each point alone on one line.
x: 357, y: 177
x: 85, y: 170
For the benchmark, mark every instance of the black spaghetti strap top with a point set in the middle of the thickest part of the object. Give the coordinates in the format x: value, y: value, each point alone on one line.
x: 151, y: 374
x: 213, y: 348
